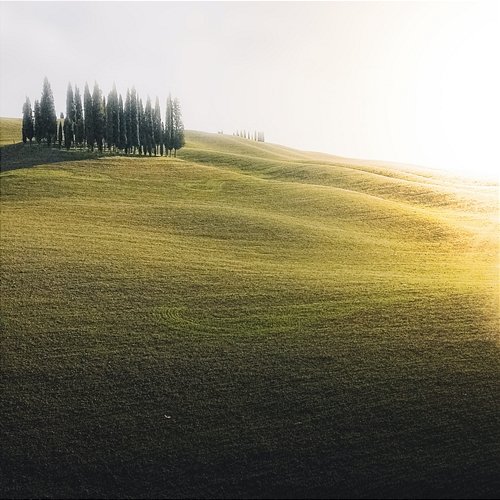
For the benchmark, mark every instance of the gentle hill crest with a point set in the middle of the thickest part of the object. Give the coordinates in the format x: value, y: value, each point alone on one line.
x: 399, y: 183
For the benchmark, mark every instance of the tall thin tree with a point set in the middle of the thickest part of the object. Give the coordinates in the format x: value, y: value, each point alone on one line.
x: 98, y: 116
x: 60, y: 131
x: 38, y: 123
x: 178, y: 126
x: 126, y: 117
x: 68, y: 133
x: 79, y: 126
x: 109, y: 121
x: 142, y: 128
x: 89, y: 117
x: 162, y: 141
x: 157, y: 134
x: 169, y: 126
x: 134, y: 120
x: 28, y: 129
x: 48, y: 113
x: 122, y: 125
x: 70, y: 116
x: 149, y: 126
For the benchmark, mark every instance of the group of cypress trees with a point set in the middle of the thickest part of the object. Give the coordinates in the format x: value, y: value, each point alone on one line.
x: 129, y: 126
x: 43, y: 124
x: 255, y: 136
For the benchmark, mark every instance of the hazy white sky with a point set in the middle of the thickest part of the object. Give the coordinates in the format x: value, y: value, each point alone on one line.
x: 415, y: 82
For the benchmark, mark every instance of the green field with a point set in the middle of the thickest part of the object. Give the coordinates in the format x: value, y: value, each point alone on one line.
x: 246, y: 320
x: 10, y: 131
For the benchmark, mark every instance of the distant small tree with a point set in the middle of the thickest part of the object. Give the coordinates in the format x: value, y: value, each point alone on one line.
x: 28, y: 129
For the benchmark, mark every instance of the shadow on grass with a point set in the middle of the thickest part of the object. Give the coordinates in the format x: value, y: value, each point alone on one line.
x: 23, y: 155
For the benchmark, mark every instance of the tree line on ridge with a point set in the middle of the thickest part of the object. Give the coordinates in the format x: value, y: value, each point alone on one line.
x: 114, y: 124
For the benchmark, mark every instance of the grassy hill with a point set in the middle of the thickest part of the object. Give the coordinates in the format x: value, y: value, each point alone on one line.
x: 246, y: 320
x: 10, y: 131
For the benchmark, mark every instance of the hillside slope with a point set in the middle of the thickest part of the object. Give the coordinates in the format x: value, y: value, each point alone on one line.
x: 10, y: 131
x: 247, y: 320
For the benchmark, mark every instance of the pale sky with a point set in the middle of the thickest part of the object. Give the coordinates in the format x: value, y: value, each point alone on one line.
x: 411, y: 82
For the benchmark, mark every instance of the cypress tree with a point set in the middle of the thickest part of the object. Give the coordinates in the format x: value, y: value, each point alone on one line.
x: 70, y: 116
x: 134, y: 120
x: 169, y: 126
x: 70, y: 104
x: 157, y: 134
x: 115, y: 116
x: 28, y: 127
x: 142, y: 129
x: 60, y: 132
x: 122, y: 143
x: 48, y: 113
x: 162, y: 140
x: 79, y: 127
x: 126, y: 117
x: 149, y: 127
x: 109, y: 121
x: 112, y: 119
x: 104, y: 125
x: 178, y: 126
x: 38, y: 123
x: 89, y: 118
x: 98, y: 116
x: 68, y: 133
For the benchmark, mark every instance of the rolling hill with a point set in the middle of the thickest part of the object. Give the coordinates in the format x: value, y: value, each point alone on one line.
x: 245, y: 320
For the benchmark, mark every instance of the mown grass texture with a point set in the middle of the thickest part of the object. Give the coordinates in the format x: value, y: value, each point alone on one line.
x: 247, y: 320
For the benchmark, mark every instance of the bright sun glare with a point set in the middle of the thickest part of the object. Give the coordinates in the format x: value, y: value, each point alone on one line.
x: 462, y: 135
